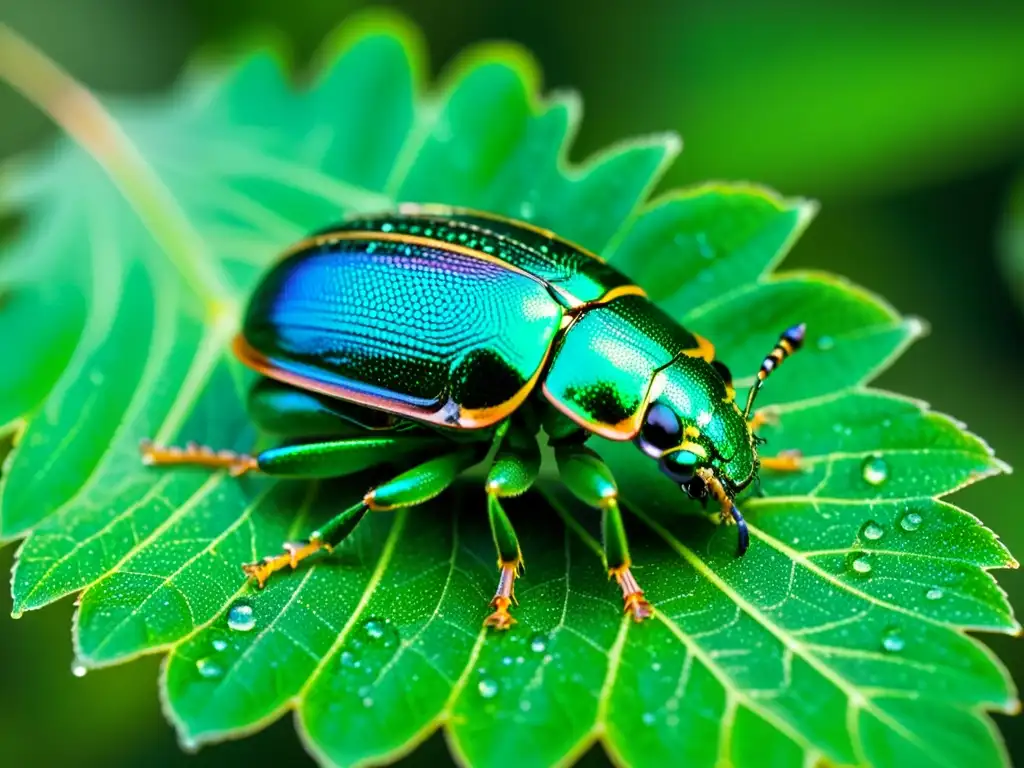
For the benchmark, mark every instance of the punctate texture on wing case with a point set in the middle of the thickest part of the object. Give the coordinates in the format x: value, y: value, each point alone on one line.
x: 429, y: 333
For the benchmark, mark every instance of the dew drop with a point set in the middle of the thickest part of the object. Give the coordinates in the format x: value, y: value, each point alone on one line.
x: 348, y: 659
x: 656, y: 666
x: 911, y: 521
x: 367, y: 702
x: 648, y: 718
x: 526, y: 210
x: 874, y: 470
x: 78, y: 670
x: 208, y: 668
x: 872, y: 531
x: 241, y: 617
x: 220, y: 645
x: 374, y: 629
x: 893, y: 641
x: 934, y: 593
x: 507, y: 661
x: 380, y: 632
x: 525, y: 705
x: 488, y: 688
x: 861, y: 563
x: 538, y: 643
x: 826, y: 343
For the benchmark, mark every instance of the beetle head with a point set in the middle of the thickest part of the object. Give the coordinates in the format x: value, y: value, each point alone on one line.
x: 700, y: 439
x: 686, y: 455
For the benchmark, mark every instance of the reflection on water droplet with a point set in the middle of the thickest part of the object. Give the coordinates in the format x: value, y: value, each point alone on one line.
x: 648, y: 718
x: 220, y: 645
x: 826, y: 343
x: 911, y: 521
x: 861, y: 563
x: 78, y: 670
x: 934, y: 593
x: 538, y: 643
x: 241, y: 617
x: 348, y: 659
x: 874, y: 470
x: 208, y: 668
x: 872, y: 531
x: 374, y: 629
x: 893, y: 641
x: 488, y: 688
x: 380, y: 632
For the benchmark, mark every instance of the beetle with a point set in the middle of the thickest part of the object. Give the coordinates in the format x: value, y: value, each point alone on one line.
x: 429, y: 336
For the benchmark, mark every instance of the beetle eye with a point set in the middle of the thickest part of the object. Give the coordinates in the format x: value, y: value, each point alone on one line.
x: 680, y: 466
x: 661, y: 430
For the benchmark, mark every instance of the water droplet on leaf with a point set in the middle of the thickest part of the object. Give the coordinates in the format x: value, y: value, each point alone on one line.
x: 538, y: 643
x: 934, y: 593
x: 872, y: 531
x: 241, y: 617
x: 220, y: 645
x: 648, y: 718
x: 208, y: 668
x: 78, y: 670
x: 488, y: 688
x: 874, y: 470
x: 861, y: 563
x: 367, y: 702
x: 826, y: 343
x: 893, y: 641
x: 911, y: 521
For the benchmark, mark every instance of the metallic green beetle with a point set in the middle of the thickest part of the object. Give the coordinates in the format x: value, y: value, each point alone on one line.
x: 428, y: 336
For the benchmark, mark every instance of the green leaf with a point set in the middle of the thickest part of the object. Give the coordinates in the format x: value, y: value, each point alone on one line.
x: 839, y: 637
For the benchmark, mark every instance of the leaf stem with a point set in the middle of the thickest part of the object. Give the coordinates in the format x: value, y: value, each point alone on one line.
x: 80, y: 114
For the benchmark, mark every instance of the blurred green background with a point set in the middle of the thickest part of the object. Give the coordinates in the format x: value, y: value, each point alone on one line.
x: 906, y: 123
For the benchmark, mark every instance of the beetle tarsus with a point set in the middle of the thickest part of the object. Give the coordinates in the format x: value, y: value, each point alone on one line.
x: 632, y: 595
x: 195, y: 455
x: 505, y: 596
x: 742, y: 532
x: 294, y: 553
x: 785, y: 461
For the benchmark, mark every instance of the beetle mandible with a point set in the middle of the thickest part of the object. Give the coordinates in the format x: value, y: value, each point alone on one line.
x: 428, y: 336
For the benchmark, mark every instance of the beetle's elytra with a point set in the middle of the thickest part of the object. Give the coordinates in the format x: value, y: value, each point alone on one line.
x: 428, y: 336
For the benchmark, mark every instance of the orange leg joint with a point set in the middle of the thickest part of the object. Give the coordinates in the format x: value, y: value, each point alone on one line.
x: 294, y: 553
x: 505, y: 596
x: 786, y: 461
x: 632, y: 595
x: 195, y: 455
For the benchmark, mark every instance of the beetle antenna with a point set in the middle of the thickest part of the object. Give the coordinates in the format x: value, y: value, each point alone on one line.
x: 729, y: 510
x: 789, y: 342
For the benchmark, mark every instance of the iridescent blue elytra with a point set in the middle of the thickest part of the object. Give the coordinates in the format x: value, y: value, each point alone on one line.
x: 429, y: 336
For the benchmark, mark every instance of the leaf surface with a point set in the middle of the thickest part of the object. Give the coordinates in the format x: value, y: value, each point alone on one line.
x: 840, y: 636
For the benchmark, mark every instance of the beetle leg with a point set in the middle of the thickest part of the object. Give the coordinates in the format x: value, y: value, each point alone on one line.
x: 514, y: 470
x: 196, y: 455
x: 419, y: 484
x: 762, y: 418
x: 588, y: 478
x: 786, y: 461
